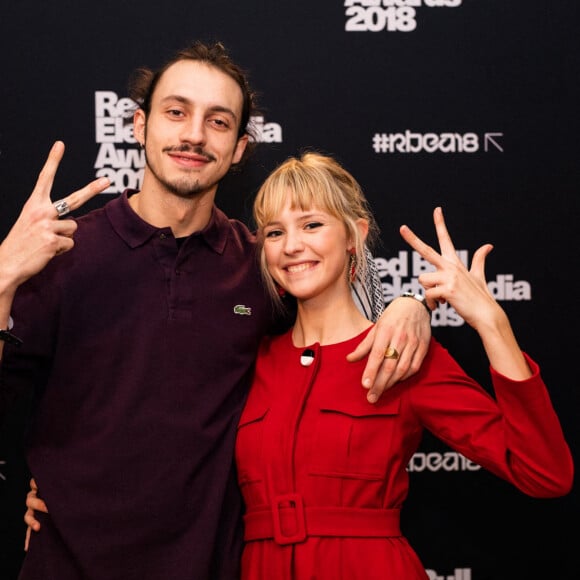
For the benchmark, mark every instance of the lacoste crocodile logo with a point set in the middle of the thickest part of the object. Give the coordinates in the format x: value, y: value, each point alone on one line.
x: 243, y: 310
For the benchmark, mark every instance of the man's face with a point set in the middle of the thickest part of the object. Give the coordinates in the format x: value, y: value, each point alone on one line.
x: 191, y: 132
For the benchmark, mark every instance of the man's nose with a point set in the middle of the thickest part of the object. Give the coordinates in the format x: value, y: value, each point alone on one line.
x: 193, y: 131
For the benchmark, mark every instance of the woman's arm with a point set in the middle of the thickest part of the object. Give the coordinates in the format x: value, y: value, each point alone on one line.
x: 467, y: 292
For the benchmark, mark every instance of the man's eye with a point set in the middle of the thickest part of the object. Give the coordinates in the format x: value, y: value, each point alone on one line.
x: 175, y: 112
x: 220, y: 123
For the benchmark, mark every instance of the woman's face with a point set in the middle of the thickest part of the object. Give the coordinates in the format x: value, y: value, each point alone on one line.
x: 307, y: 252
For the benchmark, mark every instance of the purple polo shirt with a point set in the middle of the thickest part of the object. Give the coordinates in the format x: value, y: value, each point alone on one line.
x: 139, y: 353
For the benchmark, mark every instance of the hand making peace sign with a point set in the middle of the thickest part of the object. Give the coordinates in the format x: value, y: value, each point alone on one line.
x: 38, y: 234
x: 466, y: 290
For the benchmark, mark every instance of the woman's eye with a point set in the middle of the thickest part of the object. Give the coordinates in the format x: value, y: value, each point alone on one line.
x: 312, y: 225
x: 273, y: 233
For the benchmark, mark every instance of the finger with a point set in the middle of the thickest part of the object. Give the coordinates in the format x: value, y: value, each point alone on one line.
x: 381, y: 372
x: 27, y: 539
x: 35, y: 503
x: 31, y: 521
x: 410, y: 365
x: 378, y: 370
x: 387, y: 375
x: 41, y: 191
x: 445, y: 242
x: 392, y: 371
x: 374, y: 362
x: 478, y: 261
x: 81, y: 196
x: 423, y: 249
x: 363, y: 348
x: 64, y: 227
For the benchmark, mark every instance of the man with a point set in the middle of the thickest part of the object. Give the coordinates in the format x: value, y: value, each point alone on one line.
x: 139, y: 345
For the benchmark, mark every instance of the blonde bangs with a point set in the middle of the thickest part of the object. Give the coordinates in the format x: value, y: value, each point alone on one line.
x: 303, y: 183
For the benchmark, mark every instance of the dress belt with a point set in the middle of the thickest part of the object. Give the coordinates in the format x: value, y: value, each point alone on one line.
x: 291, y: 524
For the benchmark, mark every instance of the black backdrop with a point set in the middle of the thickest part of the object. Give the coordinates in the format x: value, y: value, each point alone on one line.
x: 469, y: 104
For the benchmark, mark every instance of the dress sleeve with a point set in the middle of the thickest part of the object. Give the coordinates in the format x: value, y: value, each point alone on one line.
x: 516, y: 435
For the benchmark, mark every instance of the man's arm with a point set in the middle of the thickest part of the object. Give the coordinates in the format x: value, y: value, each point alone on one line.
x: 38, y: 235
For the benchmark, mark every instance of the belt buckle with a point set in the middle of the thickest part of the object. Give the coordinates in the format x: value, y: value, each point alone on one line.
x: 296, y: 504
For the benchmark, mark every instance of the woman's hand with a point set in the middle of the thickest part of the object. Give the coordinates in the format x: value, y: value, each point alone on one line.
x: 34, y: 504
x: 467, y: 292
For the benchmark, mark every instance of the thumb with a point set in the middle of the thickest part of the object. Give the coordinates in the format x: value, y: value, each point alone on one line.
x: 478, y: 262
x: 363, y: 347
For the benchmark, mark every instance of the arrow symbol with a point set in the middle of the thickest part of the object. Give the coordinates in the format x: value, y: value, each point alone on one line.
x: 489, y: 138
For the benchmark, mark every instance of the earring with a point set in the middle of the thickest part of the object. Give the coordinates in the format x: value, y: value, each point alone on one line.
x: 352, y: 266
x: 280, y: 290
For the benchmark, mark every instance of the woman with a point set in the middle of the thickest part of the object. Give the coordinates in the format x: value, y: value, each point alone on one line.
x: 322, y: 471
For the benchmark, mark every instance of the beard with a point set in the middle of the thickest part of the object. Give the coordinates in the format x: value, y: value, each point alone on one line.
x: 187, y: 186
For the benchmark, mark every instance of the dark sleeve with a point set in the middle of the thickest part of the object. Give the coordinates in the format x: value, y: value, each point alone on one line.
x: 229, y: 543
x: 24, y: 368
x: 285, y: 318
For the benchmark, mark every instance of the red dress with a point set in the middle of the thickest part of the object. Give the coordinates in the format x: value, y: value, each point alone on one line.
x: 323, y: 472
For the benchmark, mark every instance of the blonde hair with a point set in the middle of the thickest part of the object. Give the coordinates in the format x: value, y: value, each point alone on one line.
x: 314, y: 180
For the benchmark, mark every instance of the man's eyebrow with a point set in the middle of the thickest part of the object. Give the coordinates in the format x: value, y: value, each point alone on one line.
x: 214, y: 108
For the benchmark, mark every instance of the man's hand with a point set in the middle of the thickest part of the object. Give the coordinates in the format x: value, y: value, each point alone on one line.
x: 404, y: 325
x: 33, y: 503
x: 38, y: 234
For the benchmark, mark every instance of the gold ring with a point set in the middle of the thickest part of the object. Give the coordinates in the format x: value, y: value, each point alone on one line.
x: 392, y: 352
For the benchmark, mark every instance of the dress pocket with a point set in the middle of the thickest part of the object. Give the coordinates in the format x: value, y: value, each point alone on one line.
x: 250, y: 452
x: 354, y: 440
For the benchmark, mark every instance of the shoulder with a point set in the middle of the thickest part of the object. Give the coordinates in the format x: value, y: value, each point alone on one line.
x: 273, y: 344
x: 96, y: 217
x: 238, y: 229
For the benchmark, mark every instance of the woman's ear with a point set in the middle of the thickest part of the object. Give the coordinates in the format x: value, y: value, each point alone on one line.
x: 363, y: 228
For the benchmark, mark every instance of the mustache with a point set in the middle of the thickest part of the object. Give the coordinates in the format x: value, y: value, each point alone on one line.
x: 185, y: 148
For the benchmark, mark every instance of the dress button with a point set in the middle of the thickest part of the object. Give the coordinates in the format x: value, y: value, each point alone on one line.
x: 307, y: 357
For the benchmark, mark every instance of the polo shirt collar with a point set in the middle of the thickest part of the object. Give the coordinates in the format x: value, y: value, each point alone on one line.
x: 136, y: 232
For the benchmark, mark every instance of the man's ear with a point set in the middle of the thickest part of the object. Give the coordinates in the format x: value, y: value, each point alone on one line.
x: 240, y: 148
x: 139, y: 122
